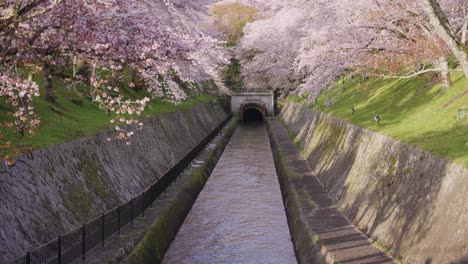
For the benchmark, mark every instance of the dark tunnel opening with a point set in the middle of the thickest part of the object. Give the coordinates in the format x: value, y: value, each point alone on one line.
x: 252, y: 115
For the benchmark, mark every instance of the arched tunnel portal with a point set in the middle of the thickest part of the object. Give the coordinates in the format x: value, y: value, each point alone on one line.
x: 252, y: 112
x: 252, y: 105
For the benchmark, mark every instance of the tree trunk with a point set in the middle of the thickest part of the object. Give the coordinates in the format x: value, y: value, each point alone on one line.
x: 442, y: 27
x: 445, y: 73
x: 85, y: 71
x: 136, y: 80
x: 50, y: 93
x: 464, y: 29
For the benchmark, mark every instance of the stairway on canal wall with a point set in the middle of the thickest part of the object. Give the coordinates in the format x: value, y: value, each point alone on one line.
x: 321, y: 233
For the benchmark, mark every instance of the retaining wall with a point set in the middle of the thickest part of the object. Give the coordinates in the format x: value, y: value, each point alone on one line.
x: 411, y: 201
x: 54, y: 190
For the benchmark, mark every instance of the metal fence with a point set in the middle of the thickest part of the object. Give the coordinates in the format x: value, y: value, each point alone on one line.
x: 75, y: 244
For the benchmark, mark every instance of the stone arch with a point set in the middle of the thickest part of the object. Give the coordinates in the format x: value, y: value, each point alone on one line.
x: 263, y: 99
x: 244, y: 108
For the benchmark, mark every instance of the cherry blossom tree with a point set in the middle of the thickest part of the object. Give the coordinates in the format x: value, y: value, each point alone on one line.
x: 269, y: 49
x: 296, y: 45
x: 442, y: 27
x: 326, y: 39
x: 305, y: 45
x: 420, y: 36
x: 19, y: 95
x: 457, y: 13
x: 99, y: 39
x: 404, y: 45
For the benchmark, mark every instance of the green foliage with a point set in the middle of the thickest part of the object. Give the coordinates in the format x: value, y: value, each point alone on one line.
x: 93, y: 180
x: 293, y: 137
x: 232, y: 75
x: 316, y: 239
x: 388, y: 251
x: 414, y: 111
x: 208, y: 85
x: 231, y: 19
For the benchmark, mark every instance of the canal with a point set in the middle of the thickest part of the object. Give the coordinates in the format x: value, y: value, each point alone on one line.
x: 239, y: 216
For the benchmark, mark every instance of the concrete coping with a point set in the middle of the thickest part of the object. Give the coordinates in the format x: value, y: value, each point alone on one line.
x: 252, y: 93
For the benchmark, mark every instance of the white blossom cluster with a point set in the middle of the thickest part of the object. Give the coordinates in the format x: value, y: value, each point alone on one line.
x: 19, y: 95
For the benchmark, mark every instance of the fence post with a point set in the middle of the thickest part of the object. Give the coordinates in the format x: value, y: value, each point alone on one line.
x: 154, y: 194
x: 151, y: 193
x: 131, y: 211
x: 83, y: 252
x: 59, y: 250
x: 143, y: 204
x: 28, y: 258
x: 102, y: 230
x: 118, y: 220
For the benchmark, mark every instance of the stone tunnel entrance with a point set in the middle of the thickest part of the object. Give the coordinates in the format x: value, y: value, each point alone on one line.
x: 252, y: 106
x: 251, y: 113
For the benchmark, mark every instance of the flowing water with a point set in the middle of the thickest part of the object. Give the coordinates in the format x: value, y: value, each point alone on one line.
x: 239, y: 216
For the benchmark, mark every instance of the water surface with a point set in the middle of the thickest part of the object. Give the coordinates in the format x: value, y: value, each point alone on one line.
x: 239, y: 216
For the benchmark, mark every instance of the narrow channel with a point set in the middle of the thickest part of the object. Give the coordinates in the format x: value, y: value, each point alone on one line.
x: 239, y: 216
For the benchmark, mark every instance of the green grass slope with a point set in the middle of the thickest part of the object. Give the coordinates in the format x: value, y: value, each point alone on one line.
x: 71, y: 120
x: 413, y: 111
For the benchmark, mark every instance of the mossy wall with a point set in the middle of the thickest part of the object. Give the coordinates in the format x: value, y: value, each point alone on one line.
x: 304, y: 238
x: 411, y: 201
x: 54, y: 190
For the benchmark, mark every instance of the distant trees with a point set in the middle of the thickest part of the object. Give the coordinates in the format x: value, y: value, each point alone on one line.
x: 231, y: 19
x: 270, y: 47
x: 232, y: 75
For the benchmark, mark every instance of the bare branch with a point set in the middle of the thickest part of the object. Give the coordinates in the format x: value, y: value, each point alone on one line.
x: 413, y: 74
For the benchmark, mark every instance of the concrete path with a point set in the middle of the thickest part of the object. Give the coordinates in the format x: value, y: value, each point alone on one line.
x: 239, y: 217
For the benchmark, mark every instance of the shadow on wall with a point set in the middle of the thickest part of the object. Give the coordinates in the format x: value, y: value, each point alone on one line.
x: 388, y: 189
x: 463, y: 260
x: 455, y: 148
x: 394, y: 193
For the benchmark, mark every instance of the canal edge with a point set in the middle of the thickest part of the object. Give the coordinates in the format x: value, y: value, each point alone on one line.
x: 160, y: 235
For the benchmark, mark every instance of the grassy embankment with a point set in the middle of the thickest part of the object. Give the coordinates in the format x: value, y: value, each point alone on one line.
x: 72, y: 118
x: 413, y: 111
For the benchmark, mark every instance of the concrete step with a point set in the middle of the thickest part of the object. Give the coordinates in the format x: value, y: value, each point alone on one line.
x: 319, y: 220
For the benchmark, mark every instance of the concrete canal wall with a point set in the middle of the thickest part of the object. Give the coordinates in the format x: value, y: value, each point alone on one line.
x: 54, y: 190
x: 410, y: 201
